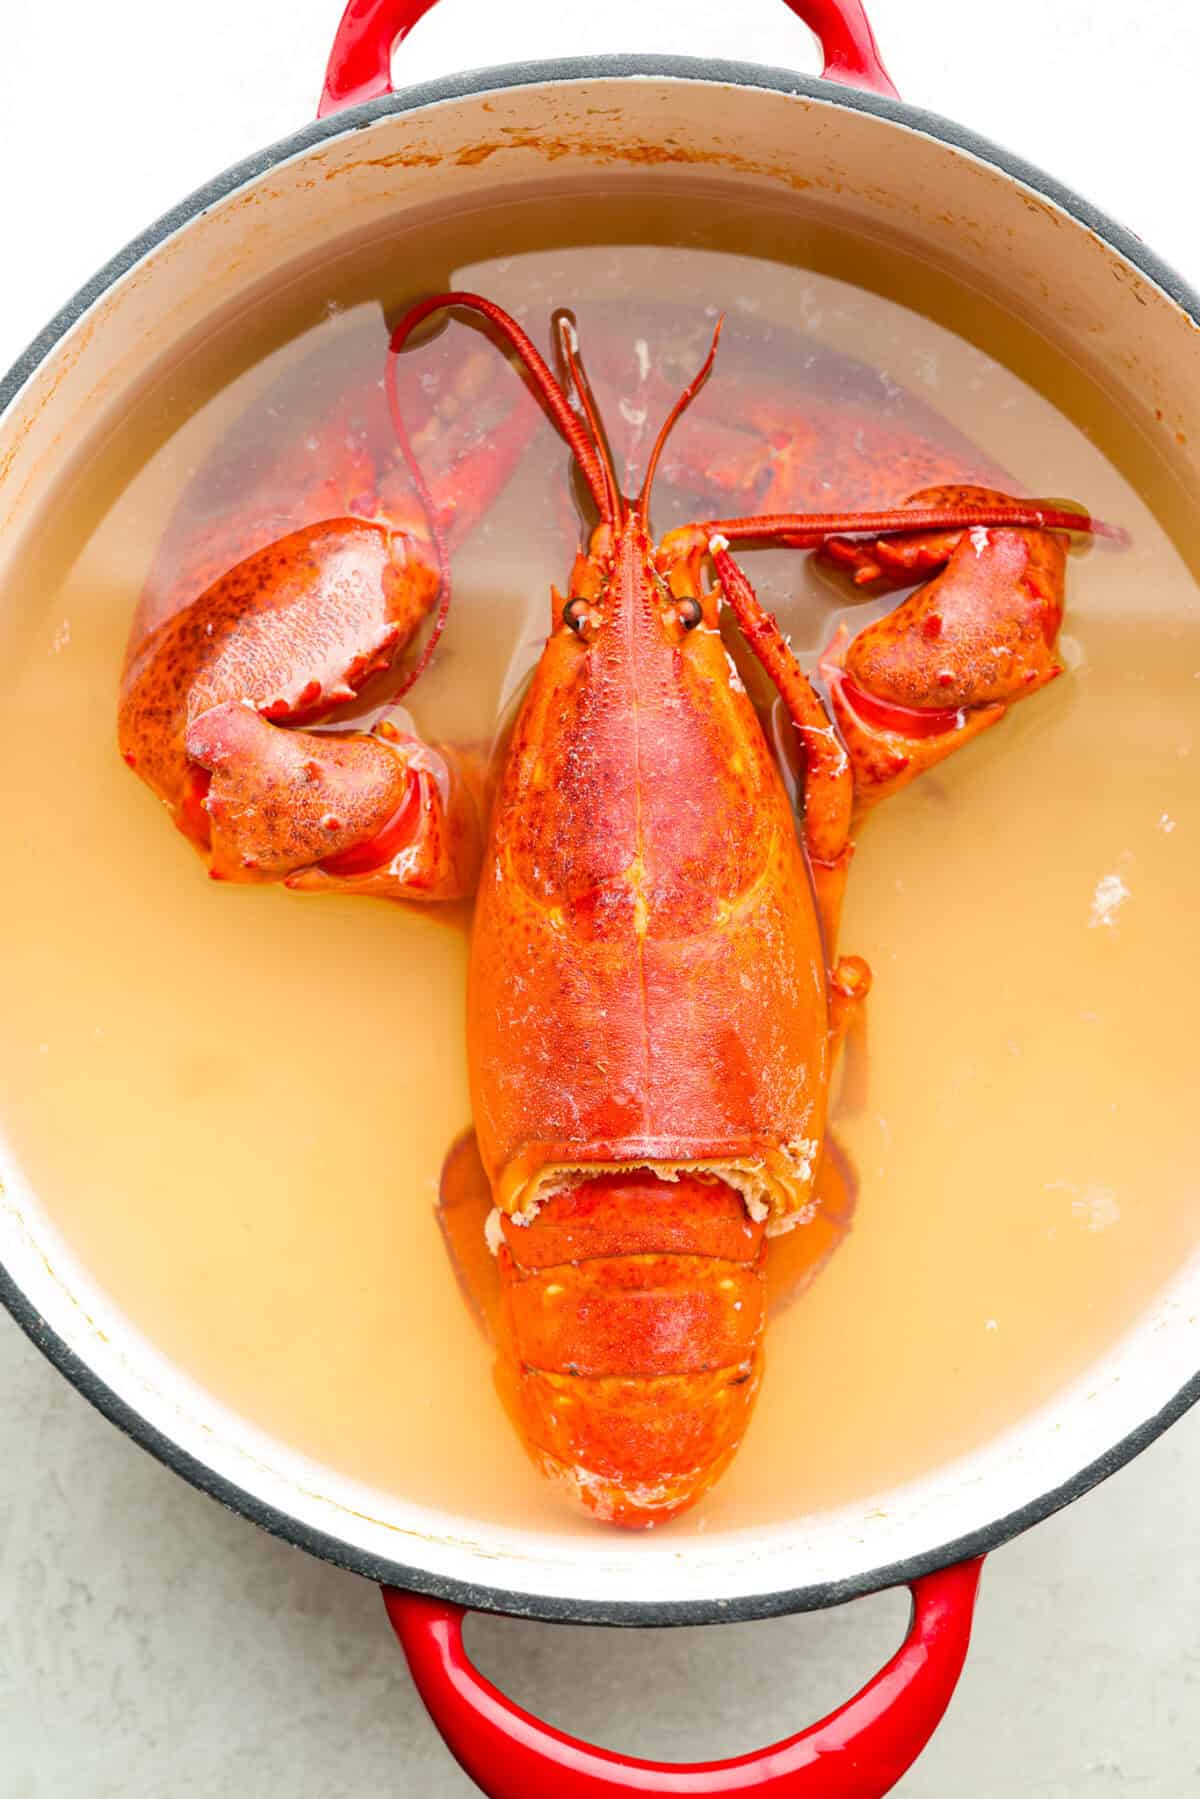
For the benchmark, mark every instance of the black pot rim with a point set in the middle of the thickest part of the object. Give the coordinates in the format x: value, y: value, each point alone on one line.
x: 281, y: 1524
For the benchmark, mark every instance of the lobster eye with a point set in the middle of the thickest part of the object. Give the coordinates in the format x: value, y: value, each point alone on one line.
x: 688, y: 613
x: 575, y: 613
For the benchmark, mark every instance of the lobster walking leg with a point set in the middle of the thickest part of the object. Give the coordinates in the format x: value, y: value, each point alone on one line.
x: 795, y: 1259
x: 828, y: 782
x: 464, y: 1206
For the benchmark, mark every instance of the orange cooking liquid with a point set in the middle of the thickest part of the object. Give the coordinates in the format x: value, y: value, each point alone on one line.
x: 235, y: 1103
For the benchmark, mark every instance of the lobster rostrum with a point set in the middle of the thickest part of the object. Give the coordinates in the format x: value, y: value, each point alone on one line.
x: 655, y: 996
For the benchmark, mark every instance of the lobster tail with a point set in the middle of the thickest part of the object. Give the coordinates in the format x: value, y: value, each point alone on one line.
x: 631, y: 1347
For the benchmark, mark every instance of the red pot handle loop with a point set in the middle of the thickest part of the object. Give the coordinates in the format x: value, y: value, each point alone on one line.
x: 360, y: 64
x: 859, y: 1751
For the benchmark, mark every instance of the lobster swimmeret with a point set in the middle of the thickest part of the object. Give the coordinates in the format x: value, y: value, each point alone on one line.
x: 655, y: 997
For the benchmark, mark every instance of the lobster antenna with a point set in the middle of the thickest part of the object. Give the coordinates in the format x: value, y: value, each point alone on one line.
x: 432, y: 520
x: 567, y: 336
x: 542, y: 379
x: 549, y: 392
x: 808, y: 530
x: 680, y: 407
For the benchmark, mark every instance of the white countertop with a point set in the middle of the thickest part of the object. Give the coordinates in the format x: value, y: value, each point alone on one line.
x: 153, y: 1645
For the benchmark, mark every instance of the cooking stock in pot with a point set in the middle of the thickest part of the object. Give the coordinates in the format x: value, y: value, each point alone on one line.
x: 236, y: 1102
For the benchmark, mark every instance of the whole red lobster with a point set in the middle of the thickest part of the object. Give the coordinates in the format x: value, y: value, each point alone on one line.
x: 655, y: 998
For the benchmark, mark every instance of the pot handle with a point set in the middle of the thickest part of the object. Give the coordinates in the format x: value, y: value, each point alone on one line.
x: 859, y: 1751
x: 360, y: 63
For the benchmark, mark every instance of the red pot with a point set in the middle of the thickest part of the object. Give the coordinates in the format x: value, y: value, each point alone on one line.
x: 875, y: 157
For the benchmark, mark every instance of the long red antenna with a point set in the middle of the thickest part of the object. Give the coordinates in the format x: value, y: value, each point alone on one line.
x: 540, y: 374
x: 680, y: 407
x: 567, y: 333
x: 432, y: 520
x: 806, y: 530
x: 551, y: 394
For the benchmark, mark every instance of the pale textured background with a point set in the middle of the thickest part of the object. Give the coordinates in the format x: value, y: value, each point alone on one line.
x: 152, y: 1645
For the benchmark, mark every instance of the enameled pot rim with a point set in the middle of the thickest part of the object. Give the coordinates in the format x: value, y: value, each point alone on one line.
x: 698, y: 1610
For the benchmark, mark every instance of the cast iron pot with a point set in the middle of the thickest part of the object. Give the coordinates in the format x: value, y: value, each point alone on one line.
x: 372, y: 156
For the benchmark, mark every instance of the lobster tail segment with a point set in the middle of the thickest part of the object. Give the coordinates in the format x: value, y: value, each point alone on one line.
x: 634, y: 1311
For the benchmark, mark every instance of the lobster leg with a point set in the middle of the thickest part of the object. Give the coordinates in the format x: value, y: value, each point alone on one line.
x: 319, y: 444
x: 211, y: 703
x: 795, y: 1259
x: 828, y: 781
x: 464, y: 1205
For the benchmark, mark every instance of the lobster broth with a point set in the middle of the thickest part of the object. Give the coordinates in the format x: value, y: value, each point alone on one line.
x: 235, y: 1102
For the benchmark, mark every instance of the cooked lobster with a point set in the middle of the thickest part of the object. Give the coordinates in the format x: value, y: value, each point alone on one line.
x: 655, y: 995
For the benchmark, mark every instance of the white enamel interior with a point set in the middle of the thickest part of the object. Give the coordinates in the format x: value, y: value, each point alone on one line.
x: 881, y: 172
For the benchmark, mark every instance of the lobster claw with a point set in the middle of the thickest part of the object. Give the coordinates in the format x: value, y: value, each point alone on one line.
x: 948, y: 662
x: 211, y: 703
x: 373, y: 812
x: 300, y: 563
x: 278, y: 801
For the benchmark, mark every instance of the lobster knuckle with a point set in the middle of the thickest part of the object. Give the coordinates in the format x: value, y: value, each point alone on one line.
x: 428, y: 849
x: 851, y: 978
x: 865, y: 562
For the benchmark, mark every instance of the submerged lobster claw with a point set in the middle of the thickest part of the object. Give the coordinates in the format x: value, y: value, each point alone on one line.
x: 216, y: 697
x: 287, y: 636
x: 949, y: 661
